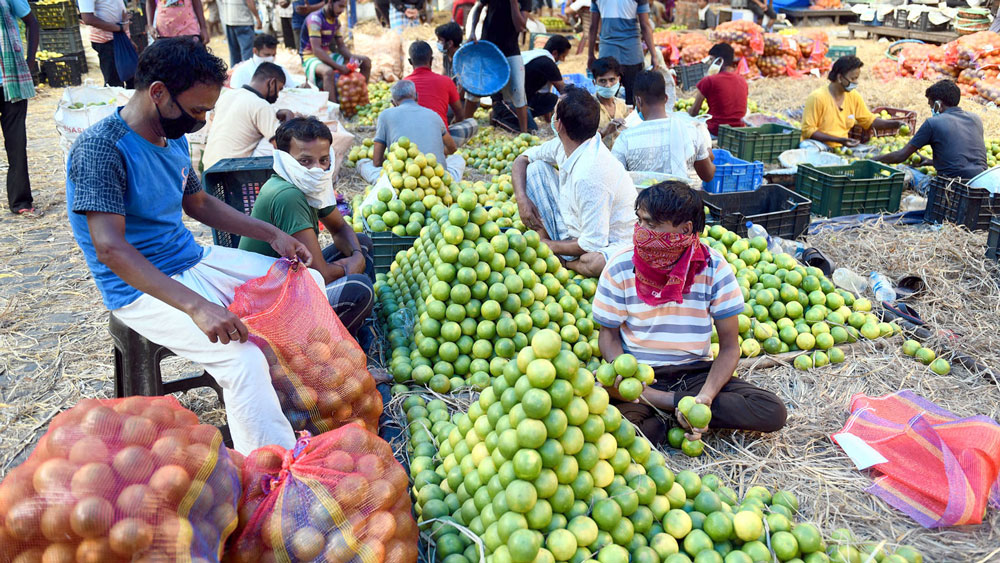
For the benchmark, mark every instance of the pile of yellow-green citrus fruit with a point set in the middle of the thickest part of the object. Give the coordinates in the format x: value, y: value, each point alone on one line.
x: 543, y: 469
x: 378, y: 100
x: 494, y: 153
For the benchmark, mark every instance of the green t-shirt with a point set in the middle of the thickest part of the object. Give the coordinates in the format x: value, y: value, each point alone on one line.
x: 283, y: 205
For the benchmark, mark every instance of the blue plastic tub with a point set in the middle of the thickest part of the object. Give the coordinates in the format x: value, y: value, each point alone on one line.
x: 580, y: 81
x: 481, y: 68
x: 733, y: 174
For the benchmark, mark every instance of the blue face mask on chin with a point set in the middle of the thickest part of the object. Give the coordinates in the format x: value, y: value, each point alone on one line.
x: 552, y: 123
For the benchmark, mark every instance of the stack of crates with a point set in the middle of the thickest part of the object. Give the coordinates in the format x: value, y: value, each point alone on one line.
x: 60, y: 34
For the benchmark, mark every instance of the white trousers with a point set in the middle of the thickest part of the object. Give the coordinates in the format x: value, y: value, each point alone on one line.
x: 252, y: 407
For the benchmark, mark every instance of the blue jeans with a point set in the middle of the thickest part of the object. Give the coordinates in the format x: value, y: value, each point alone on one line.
x: 240, y: 40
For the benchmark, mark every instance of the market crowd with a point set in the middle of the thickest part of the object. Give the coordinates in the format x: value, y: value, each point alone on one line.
x: 130, y: 180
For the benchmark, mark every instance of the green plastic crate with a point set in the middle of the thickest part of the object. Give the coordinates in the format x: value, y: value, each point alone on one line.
x: 764, y: 143
x: 864, y: 186
x: 386, y: 246
x: 837, y: 51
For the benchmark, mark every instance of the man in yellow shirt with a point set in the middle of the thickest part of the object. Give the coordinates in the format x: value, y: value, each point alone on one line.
x: 832, y: 111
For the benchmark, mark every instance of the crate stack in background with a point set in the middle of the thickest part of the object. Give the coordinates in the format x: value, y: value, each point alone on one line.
x: 61, y: 58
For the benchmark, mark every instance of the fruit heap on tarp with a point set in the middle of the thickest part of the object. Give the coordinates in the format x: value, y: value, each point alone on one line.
x: 790, y: 307
x: 472, y: 291
x: 542, y: 469
x: 378, y: 100
x: 788, y: 53
x: 685, y: 104
x: 972, y: 61
x: 121, y: 480
x: 493, y: 153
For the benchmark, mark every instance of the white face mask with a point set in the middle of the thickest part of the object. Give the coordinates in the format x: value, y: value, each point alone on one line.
x: 715, y: 67
x: 257, y: 60
x: 315, y: 183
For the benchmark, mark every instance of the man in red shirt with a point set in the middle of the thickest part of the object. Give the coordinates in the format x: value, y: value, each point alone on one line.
x: 724, y: 89
x: 439, y: 94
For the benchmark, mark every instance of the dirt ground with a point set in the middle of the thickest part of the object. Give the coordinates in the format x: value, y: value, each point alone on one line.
x: 56, y: 349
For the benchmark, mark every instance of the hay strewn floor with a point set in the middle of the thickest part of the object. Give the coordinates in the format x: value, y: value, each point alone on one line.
x: 56, y: 349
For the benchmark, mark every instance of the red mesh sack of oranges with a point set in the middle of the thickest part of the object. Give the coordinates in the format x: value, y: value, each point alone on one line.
x: 317, y: 368
x: 337, y: 497
x: 121, y: 480
x: 352, y: 90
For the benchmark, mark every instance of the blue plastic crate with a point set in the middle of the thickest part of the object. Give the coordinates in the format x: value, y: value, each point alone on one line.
x: 733, y: 174
x: 481, y: 68
x: 580, y: 81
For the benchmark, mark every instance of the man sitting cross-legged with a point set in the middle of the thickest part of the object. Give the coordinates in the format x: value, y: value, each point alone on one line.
x: 659, y: 300
x: 573, y: 192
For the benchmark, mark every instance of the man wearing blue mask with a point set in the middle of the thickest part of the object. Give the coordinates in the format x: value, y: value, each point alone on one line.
x: 833, y: 110
x: 607, y: 75
x: 579, y: 199
x: 955, y: 136
x: 541, y: 75
x: 129, y: 181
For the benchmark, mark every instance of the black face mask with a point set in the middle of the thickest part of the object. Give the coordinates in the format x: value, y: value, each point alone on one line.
x: 269, y: 97
x: 177, y: 127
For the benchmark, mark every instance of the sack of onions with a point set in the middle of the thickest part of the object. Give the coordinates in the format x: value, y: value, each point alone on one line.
x: 336, y: 497
x: 119, y: 480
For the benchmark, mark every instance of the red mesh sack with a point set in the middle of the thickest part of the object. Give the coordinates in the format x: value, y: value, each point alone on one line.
x: 120, y: 480
x: 778, y: 66
x: 337, y: 497
x: 352, y: 91
x: 973, y: 51
x: 885, y: 70
x: 776, y: 44
x: 989, y: 90
x: 741, y: 32
x: 317, y: 368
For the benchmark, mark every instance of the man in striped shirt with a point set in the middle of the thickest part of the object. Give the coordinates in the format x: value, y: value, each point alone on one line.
x: 658, y: 301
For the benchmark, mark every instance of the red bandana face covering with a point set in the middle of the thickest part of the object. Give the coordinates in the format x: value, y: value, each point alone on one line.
x: 666, y: 264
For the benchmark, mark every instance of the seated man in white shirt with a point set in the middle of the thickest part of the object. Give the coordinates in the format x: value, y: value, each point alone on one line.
x: 264, y: 48
x: 585, y: 211
x: 662, y: 143
x: 244, y: 116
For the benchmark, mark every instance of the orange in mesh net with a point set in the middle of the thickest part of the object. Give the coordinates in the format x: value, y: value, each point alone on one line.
x: 337, y: 497
x: 317, y: 368
x: 121, y: 479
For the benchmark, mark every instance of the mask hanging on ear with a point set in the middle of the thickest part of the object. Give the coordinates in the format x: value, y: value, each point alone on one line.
x: 715, y: 67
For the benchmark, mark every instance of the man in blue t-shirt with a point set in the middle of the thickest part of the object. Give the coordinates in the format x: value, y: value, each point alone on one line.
x: 621, y: 24
x: 129, y: 181
x: 955, y: 136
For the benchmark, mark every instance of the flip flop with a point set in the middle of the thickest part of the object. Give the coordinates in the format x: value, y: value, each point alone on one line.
x: 26, y: 212
x: 893, y: 311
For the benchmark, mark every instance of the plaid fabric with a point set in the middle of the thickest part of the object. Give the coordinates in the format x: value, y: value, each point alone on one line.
x: 398, y: 21
x: 540, y: 185
x: 464, y: 130
x: 17, y: 82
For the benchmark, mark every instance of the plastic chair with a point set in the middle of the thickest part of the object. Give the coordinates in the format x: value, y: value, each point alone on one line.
x: 137, y: 369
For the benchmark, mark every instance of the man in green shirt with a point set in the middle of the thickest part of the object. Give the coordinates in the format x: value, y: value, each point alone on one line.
x: 296, y: 199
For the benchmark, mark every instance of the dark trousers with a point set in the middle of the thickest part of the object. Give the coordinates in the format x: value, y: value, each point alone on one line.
x: 739, y: 405
x: 541, y: 103
x: 353, y: 296
x: 240, y: 40
x: 288, y: 34
x: 15, y: 141
x: 629, y: 72
x: 106, y: 56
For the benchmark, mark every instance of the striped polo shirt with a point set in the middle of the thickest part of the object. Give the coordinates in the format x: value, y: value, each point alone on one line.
x: 673, y: 333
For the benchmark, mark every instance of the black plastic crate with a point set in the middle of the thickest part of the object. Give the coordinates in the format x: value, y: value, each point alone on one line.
x: 993, y: 240
x: 237, y: 181
x: 950, y: 199
x: 61, y: 40
x: 688, y: 76
x: 60, y: 15
x: 778, y: 209
x: 64, y: 71
x: 902, y: 21
x: 764, y: 143
x: 386, y: 246
x: 864, y: 186
x: 925, y: 24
